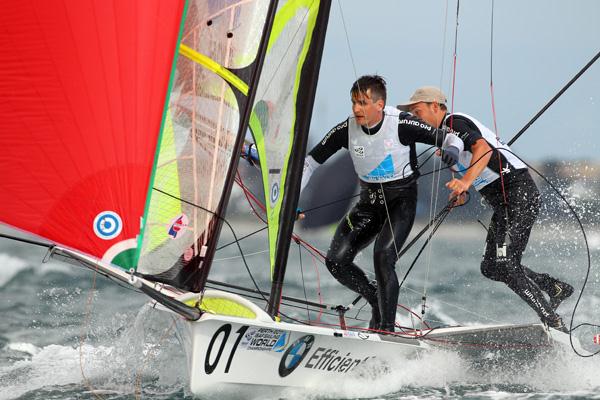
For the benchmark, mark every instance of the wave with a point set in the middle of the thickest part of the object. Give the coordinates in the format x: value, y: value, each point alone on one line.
x: 12, y: 266
x: 143, y: 355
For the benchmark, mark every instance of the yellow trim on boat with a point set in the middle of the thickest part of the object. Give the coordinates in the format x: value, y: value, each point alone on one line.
x: 221, y: 306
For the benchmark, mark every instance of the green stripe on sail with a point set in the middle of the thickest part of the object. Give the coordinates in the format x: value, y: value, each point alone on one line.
x: 166, y: 121
x: 166, y: 175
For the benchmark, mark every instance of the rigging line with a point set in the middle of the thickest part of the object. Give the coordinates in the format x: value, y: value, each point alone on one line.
x: 589, y: 261
x: 243, y: 237
x: 28, y: 241
x: 235, y: 237
x: 431, y: 222
x: 560, y: 93
x: 220, y: 285
x: 504, y: 197
x: 454, y: 306
x: 470, y: 166
x: 444, y: 42
x: 348, y: 41
x: 330, y: 203
x: 314, y: 261
x: 303, y: 282
x: 437, y: 176
x: 246, y: 254
x: 435, y: 228
x: 249, y: 195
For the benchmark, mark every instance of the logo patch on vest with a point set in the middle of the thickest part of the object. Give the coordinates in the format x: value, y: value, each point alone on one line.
x: 385, y: 170
x: 359, y: 151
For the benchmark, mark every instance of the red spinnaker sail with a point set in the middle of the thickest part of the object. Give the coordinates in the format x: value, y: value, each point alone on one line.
x: 83, y: 86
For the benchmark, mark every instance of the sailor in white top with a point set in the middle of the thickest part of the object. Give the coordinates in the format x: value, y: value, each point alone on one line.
x: 381, y: 141
x: 505, y: 183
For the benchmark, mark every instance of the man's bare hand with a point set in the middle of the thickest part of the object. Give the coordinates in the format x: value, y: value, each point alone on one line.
x: 457, y: 186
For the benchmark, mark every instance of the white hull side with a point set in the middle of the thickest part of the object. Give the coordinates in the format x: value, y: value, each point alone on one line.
x: 228, y: 354
x: 229, y: 351
x: 248, y: 357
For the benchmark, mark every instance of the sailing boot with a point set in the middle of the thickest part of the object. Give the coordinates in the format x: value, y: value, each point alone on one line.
x: 556, y: 323
x: 562, y: 291
x: 387, y: 327
x: 556, y: 290
x: 375, y: 321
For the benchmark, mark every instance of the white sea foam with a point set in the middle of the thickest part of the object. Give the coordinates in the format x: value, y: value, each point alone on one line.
x: 52, y: 365
x: 9, y: 267
x: 27, y: 348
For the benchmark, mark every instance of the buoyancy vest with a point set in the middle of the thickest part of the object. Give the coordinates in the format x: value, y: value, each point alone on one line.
x: 379, y: 157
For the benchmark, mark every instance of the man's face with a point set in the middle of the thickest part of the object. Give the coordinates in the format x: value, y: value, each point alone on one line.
x: 428, y: 112
x: 366, y: 111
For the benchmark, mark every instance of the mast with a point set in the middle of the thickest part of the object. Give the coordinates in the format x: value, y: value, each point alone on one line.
x: 304, y: 107
x: 206, y: 262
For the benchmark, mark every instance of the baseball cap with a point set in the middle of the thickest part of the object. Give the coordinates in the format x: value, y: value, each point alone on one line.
x: 426, y: 94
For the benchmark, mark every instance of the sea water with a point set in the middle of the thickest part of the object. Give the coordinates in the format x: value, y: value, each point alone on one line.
x: 67, y: 334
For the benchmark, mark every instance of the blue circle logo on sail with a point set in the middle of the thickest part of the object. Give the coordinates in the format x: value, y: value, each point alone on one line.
x: 294, y: 355
x: 107, y: 225
x: 274, y: 192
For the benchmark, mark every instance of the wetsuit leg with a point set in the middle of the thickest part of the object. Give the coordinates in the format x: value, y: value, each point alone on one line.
x: 385, y: 253
x: 522, y: 209
x: 353, y: 234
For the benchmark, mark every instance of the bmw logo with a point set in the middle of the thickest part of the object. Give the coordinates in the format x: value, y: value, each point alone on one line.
x: 107, y: 225
x: 294, y: 355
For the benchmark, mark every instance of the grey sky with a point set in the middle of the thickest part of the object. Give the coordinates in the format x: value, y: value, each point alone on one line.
x: 538, y: 47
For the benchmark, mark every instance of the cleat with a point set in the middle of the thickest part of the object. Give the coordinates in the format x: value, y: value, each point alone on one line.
x: 563, y: 291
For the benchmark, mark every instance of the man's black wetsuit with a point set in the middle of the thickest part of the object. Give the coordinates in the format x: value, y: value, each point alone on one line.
x: 368, y: 219
x: 511, y: 223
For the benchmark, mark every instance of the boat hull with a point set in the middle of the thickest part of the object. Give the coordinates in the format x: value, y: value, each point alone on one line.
x: 227, y: 353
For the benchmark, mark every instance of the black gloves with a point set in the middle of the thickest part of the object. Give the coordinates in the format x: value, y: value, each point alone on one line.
x: 450, y: 155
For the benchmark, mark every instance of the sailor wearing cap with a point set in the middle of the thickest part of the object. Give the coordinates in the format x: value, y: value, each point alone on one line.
x: 487, y: 164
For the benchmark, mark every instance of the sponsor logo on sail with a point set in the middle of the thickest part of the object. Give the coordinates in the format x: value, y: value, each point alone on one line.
x: 107, y: 225
x: 177, y: 226
x: 274, y: 192
x: 294, y: 355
